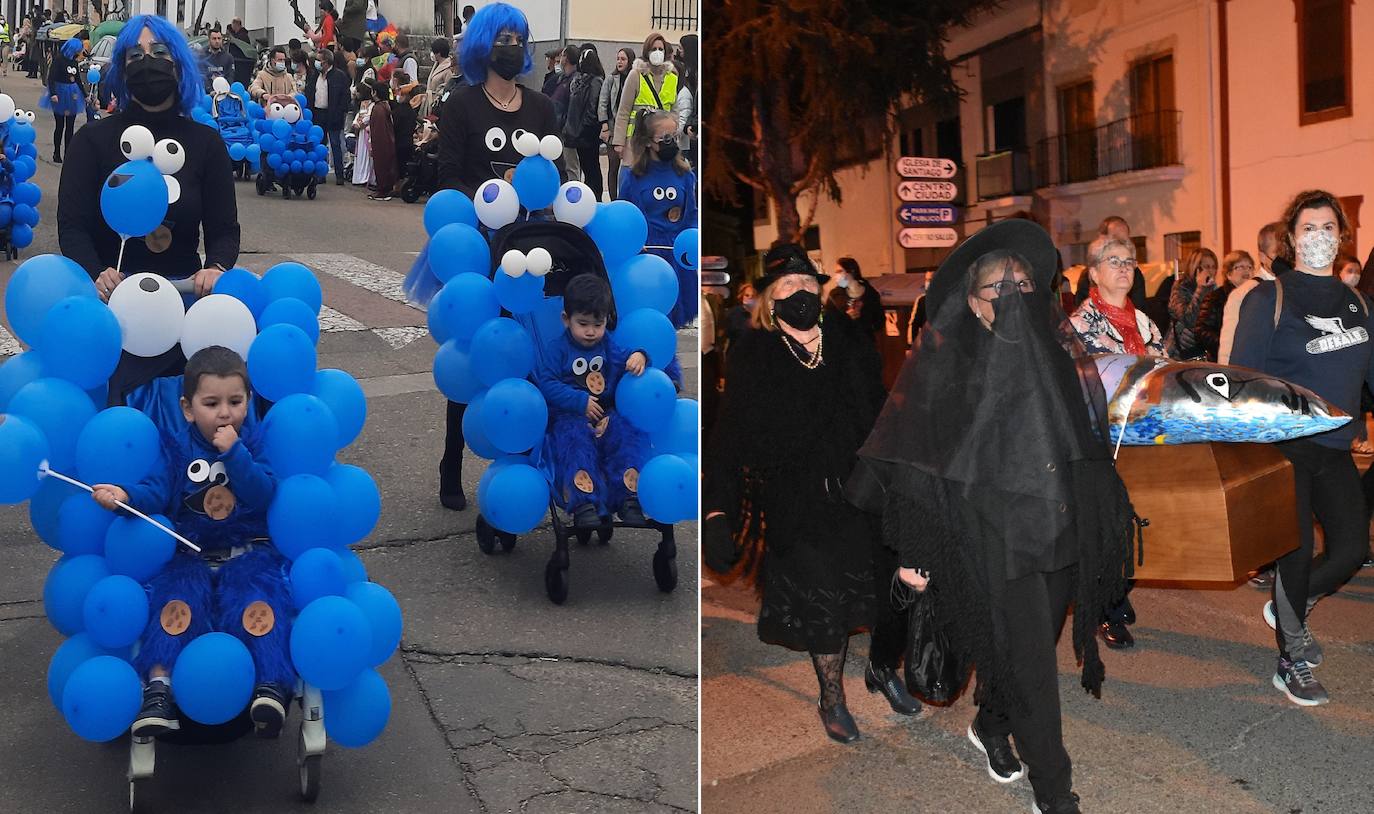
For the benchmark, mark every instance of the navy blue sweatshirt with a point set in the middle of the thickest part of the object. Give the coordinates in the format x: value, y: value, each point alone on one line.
x: 1322, y: 342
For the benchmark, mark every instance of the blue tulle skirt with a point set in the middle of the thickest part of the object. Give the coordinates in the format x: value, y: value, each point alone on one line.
x: 69, y: 102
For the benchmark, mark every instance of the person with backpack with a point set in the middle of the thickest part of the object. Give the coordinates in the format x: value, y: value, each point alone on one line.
x: 607, y: 107
x: 581, y: 126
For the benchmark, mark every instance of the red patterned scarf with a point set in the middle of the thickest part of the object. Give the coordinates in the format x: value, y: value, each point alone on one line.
x: 1123, y: 319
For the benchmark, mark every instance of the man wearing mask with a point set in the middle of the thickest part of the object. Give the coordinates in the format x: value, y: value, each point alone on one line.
x: 1270, y: 267
x: 327, y: 89
x: 274, y: 79
x: 553, y: 67
x: 218, y: 62
x: 405, y: 60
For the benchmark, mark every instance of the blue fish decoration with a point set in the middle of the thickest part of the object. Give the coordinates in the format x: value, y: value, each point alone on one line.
x: 1154, y: 400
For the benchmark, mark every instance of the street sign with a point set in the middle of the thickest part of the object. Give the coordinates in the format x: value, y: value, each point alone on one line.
x: 927, y: 238
x: 919, y: 167
x: 927, y: 191
x: 927, y: 214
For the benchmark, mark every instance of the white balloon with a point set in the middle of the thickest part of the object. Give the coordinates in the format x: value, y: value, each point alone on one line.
x: 526, y: 143
x: 137, y: 142
x: 29, y: 116
x: 173, y: 189
x: 218, y: 319
x: 513, y: 263
x: 150, y: 314
x: 7, y: 107
x: 539, y: 260
x: 291, y: 112
x: 220, y: 85
x: 551, y: 148
x: 575, y: 204
x: 497, y: 203
x: 169, y: 156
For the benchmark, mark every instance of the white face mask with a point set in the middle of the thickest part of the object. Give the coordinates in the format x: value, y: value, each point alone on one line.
x: 656, y: 57
x: 841, y: 280
x: 1317, y: 250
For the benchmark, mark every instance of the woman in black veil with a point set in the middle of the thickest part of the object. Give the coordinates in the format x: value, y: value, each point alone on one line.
x: 997, y: 486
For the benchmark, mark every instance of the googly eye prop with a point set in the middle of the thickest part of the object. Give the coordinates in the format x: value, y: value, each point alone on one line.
x: 538, y: 262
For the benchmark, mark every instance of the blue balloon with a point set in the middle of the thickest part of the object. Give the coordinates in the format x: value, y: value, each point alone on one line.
x: 352, y: 565
x: 456, y: 249
x: 29, y: 194
x: 316, y: 573
x: 65, y: 590
x: 356, y: 714
x: 93, y: 76
x: 644, y: 281
x: 668, y: 489
x: 330, y: 640
x: 291, y: 311
x: 82, y: 526
x: 254, y: 110
x: 79, y: 341
x: 453, y: 371
x: 134, y: 199
x: 301, y: 516
x: 101, y: 698
x: 619, y: 230
x: 302, y: 125
x: 519, y: 295
x: 680, y: 434
x: 687, y: 249
x: 137, y: 548
x: 448, y: 206
x: 214, y: 678
x: 316, y: 133
x: 25, y: 165
x: 308, y: 167
x: 45, y: 508
x: 514, y: 415
x: 463, y: 305
x: 646, y: 401
x: 38, y: 284
x: 536, y: 182
x: 383, y: 616
x: 119, y: 445
x: 59, y: 409
x: 274, y: 161
x: 73, y: 653
x: 491, y: 470
x: 517, y: 498
x: 281, y: 129
x: 300, y: 436
x: 244, y: 286
x: 474, y: 431
x: 297, y: 168
x: 501, y: 349
x: 29, y: 150
x: 293, y: 280
x: 23, y: 134
x: 237, y: 152
x: 115, y: 611
x: 281, y: 361
x: 648, y: 330
x: 24, y: 215
x: 16, y: 372
x: 238, y: 89
x: 6, y: 213
x: 344, y: 397
x: 253, y: 153
x: 359, y: 502
x: 22, y: 448
x: 21, y: 235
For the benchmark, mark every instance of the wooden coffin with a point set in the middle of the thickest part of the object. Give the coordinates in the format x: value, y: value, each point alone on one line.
x: 1215, y: 511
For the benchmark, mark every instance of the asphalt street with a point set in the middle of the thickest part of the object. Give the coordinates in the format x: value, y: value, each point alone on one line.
x: 502, y: 701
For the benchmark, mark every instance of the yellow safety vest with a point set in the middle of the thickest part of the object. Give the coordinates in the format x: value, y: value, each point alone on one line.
x: 4, y: 35
x: 645, y: 100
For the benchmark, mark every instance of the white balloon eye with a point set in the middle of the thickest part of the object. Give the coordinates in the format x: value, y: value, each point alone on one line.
x: 596, y: 364
x: 658, y: 193
x: 221, y: 85
x: 670, y: 193
x: 7, y: 109
x: 497, y: 203
x: 137, y: 143
x: 217, y: 473
x: 575, y: 204
x: 526, y: 143
x: 1220, y: 383
x: 198, y: 471
x: 274, y: 110
x: 29, y: 116
x: 292, y: 113
x: 513, y: 263
x: 495, y: 139
x: 550, y: 147
x: 173, y: 189
x: 539, y: 261
x: 579, y: 366
x: 169, y: 156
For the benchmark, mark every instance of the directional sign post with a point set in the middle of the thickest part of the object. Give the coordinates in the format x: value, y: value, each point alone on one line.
x: 927, y: 238
x: 927, y: 214
x: 920, y: 167
x: 927, y: 191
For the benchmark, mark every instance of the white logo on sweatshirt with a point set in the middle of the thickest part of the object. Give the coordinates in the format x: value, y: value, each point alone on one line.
x: 1335, y: 337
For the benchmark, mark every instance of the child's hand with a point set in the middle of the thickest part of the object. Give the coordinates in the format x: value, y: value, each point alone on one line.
x: 107, y: 493
x: 225, y: 437
x: 595, y: 412
x: 635, y: 364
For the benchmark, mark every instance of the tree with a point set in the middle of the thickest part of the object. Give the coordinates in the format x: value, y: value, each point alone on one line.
x: 795, y: 81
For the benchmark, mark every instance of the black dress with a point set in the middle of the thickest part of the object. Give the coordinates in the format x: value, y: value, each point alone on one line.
x: 784, y: 443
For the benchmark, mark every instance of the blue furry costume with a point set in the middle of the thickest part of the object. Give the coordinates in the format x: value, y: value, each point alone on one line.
x: 568, y: 373
x: 218, y: 501
x: 669, y: 203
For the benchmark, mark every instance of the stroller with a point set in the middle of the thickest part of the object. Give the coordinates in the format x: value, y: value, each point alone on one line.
x: 231, y: 116
x: 301, y: 183
x: 422, y: 171
x: 573, y: 253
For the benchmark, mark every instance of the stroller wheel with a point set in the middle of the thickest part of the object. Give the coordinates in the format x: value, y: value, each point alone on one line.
x: 262, y: 184
x: 665, y: 572
x: 486, y: 536
x: 285, y: 190
x: 310, y: 191
x: 556, y: 583
x: 310, y: 769
x: 584, y: 536
x: 410, y: 191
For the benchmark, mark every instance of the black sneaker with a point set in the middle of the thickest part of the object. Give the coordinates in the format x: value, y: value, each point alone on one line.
x: 1063, y: 804
x: 631, y: 512
x: 159, y: 712
x: 585, y: 517
x: 268, y: 710
x: 1263, y: 579
x: 1295, y: 680
x: 1002, y: 763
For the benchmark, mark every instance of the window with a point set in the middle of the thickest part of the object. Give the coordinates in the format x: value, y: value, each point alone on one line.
x: 1007, y: 125
x: 1154, y: 120
x: 1078, y: 145
x: 1179, y: 245
x: 1323, y: 60
x: 913, y: 142
x: 949, y: 141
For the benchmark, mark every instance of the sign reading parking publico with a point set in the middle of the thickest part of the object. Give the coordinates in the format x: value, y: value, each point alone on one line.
x: 927, y: 214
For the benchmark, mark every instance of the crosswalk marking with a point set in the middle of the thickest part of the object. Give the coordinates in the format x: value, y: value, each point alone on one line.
x: 334, y: 321
x: 8, y: 344
x: 368, y: 276
x: 398, y: 338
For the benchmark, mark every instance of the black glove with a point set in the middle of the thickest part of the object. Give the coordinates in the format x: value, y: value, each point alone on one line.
x: 718, y: 545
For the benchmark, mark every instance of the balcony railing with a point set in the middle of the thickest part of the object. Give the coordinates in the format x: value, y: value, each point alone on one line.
x: 1139, y: 142
x: 1004, y: 173
x: 675, y: 15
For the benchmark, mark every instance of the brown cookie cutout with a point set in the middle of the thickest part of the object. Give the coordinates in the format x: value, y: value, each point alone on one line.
x: 219, y: 502
x: 176, y: 617
x: 159, y: 240
x: 675, y: 214
x: 583, y: 482
x: 599, y: 428
x: 596, y: 382
x: 510, y: 175
x: 632, y: 479
x: 258, y: 618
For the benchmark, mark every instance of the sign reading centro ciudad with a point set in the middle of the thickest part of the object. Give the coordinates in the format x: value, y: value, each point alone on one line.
x: 926, y: 198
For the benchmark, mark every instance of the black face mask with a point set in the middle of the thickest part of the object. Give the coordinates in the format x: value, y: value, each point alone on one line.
x: 507, y: 60
x: 667, y: 150
x: 152, y: 81
x: 801, y: 310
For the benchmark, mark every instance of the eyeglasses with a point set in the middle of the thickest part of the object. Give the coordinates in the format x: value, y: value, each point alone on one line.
x: 156, y: 50
x: 507, y: 38
x: 1001, y: 288
x: 1118, y: 263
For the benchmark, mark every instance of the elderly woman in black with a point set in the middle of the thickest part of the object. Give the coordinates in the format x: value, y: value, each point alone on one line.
x: 800, y: 396
x: 999, y: 492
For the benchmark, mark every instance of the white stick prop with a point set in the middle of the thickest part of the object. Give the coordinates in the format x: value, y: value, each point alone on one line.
x: 45, y: 471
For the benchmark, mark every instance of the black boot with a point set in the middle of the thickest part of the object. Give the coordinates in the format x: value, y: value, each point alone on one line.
x: 886, y: 681
x: 57, y: 156
x: 451, y: 465
x: 835, y: 717
x: 451, y: 487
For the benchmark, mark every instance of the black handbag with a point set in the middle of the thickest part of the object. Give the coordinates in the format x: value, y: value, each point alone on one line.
x: 934, y: 671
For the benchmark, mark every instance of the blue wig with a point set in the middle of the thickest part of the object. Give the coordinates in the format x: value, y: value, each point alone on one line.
x: 164, y: 32
x: 71, y: 48
x: 487, y: 24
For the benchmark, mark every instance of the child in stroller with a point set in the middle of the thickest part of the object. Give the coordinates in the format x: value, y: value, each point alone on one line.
x: 231, y: 116
x: 422, y: 171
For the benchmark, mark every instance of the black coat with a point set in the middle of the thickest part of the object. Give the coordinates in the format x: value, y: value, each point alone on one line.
x: 334, y: 116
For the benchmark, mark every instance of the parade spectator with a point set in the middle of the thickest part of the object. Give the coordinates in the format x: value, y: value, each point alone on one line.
x: 606, y: 107
x: 710, y: 367
x: 738, y: 317
x: 652, y: 84
x: 799, y: 400
x: 1348, y: 269
x: 217, y: 61
x: 363, y: 173
x: 273, y: 79
x: 1270, y: 265
x: 404, y: 117
x: 1007, y: 535
x: 381, y: 135
x: 238, y: 32
x: 324, y: 37
x: 688, y: 114
x: 581, y: 127
x: 1117, y: 227
x: 64, y: 97
x: 553, y: 70
x: 6, y: 41
x: 847, y: 270
x: 1236, y: 269
x: 439, y: 75
x: 1316, y: 336
x: 562, y: 98
x: 1107, y: 321
x: 328, y: 89
x: 1199, y: 279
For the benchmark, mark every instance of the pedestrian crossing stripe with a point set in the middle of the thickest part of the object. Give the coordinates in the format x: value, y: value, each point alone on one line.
x: 9, y: 346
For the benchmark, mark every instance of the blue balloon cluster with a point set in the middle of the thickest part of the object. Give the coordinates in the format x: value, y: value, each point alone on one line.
x: 19, y: 196
x: 236, y: 118
x: 290, y: 149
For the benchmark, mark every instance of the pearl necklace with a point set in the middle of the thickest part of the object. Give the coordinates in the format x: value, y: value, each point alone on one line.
x: 817, y: 358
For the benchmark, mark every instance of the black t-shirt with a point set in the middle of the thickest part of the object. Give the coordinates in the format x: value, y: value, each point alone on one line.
x: 476, y: 139
x: 207, y: 200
